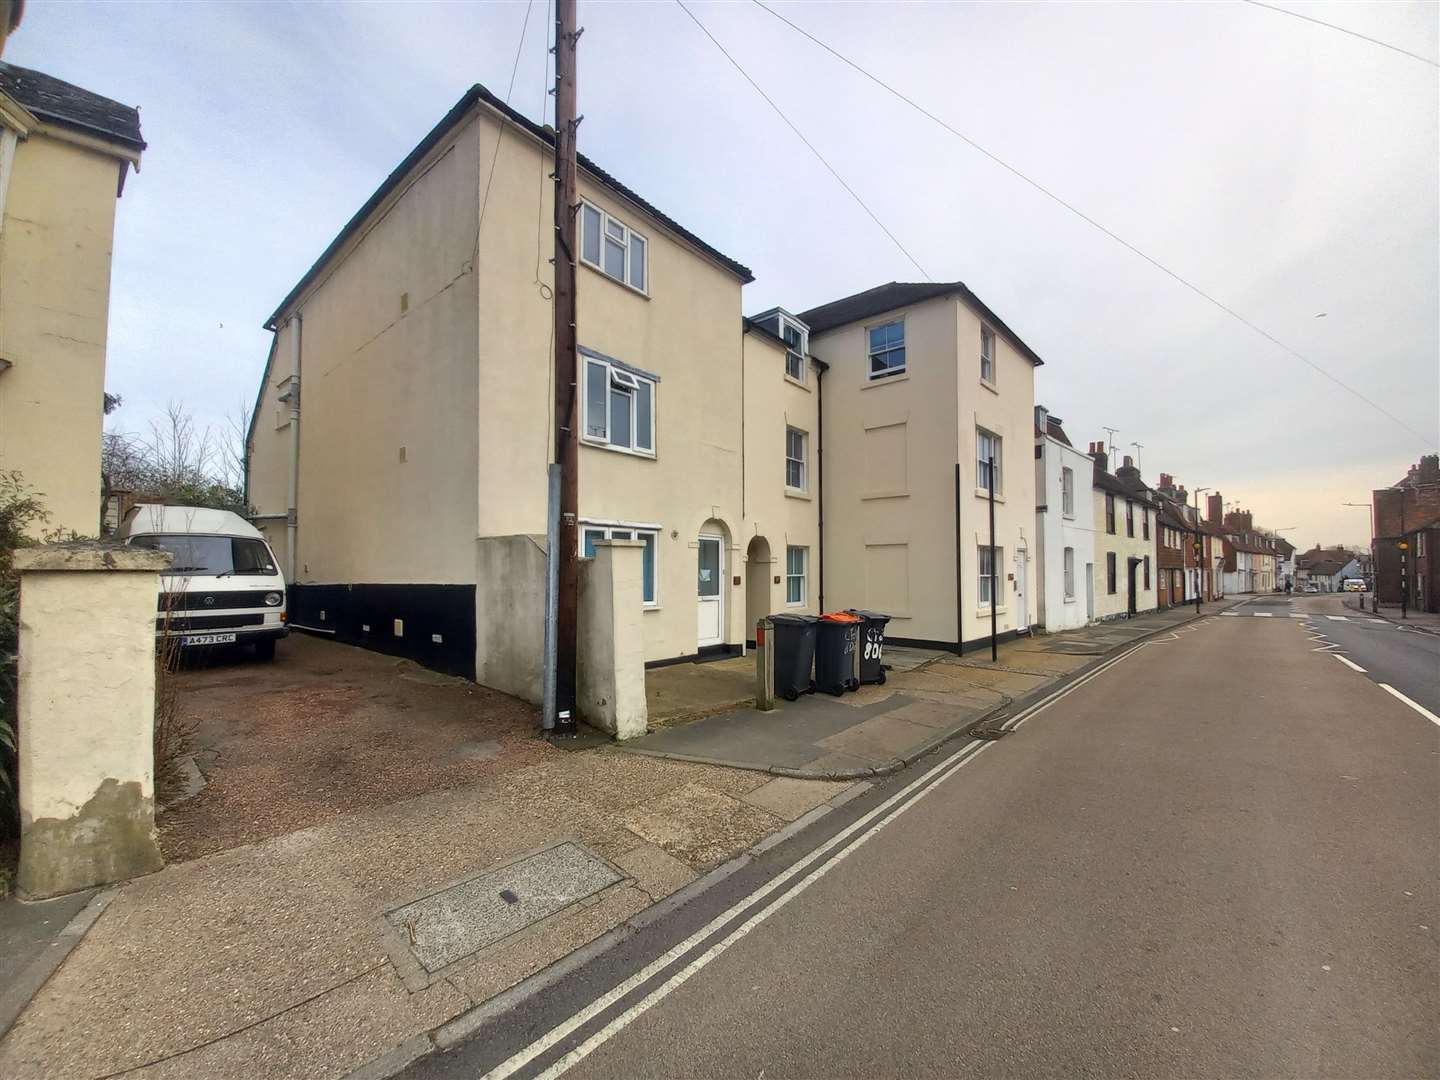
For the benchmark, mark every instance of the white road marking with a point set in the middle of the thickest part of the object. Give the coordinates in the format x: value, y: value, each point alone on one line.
x: 1294, y: 615
x: 1348, y: 663
x: 1263, y: 614
x: 1338, y: 618
x: 1413, y: 704
x: 940, y: 773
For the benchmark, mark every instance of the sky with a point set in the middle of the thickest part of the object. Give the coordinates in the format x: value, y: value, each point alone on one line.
x: 1288, y: 170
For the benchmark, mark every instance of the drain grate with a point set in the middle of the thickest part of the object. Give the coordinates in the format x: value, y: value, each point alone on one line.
x: 451, y: 924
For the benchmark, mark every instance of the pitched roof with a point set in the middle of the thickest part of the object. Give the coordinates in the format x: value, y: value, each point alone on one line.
x: 898, y: 294
x: 477, y: 94
x: 1055, y: 431
x: 58, y: 102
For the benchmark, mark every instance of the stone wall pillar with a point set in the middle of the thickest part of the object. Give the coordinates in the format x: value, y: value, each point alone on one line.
x: 610, y: 666
x: 86, y: 710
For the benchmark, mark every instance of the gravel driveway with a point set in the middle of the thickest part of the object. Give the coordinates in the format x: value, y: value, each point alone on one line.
x: 326, y: 729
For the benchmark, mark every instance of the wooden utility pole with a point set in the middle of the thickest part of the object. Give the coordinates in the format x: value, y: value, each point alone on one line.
x: 566, y: 381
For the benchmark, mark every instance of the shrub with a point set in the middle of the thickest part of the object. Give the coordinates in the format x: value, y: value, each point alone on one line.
x: 21, y: 513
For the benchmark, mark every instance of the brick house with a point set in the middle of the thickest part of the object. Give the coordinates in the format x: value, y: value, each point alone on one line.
x: 1409, y: 512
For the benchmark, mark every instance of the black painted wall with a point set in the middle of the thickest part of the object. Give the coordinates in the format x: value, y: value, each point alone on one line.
x: 427, y: 611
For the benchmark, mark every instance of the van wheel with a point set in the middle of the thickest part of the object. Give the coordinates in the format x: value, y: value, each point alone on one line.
x: 265, y: 650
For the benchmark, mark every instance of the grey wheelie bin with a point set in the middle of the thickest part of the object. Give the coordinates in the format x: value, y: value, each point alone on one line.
x: 793, y: 653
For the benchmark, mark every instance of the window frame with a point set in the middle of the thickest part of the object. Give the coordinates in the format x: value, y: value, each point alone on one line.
x: 982, y: 463
x: 803, y: 349
x: 870, y: 352
x: 607, y: 529
x: 628, y: 380
x: 1110, y: 513
x: 1067, y: 491
x: 1130, y: 518
x: 606, y: 220
x: 803, y: 577
x: 1067, y: 564
x: 1145, y: 523
x: 987, y: 334
x: 997, y: 559
x: 1147, y: 574
x: 803, y: 460
x: 1112, y: 574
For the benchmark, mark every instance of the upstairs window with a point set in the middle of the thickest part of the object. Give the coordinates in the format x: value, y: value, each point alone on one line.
x: 1129, y: 517
x: 796, y: 345
x: 1110, y: 515
x: 987, y: 354
x: 795, y: 440
x: 987, y: 449
x: 1145, y: 522
x: 887, y: 350
x: 1067, y: 492
x: 619, y: 407
x: 612, y: 247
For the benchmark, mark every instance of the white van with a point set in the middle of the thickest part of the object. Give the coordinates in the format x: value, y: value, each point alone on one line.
x: 225, y: 586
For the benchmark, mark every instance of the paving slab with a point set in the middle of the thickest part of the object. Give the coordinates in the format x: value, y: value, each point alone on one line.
x: 789, y: 798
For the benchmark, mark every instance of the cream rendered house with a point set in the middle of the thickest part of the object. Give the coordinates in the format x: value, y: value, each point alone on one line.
x: 402, y: 432
x: 64, y: 156
x: 924, y: 385
x: 1124, y: 518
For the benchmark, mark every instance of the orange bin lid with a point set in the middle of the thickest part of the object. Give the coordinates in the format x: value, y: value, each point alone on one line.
x: 841, y: 616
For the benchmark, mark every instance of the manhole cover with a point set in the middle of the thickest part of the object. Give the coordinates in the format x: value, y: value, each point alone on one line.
x: 449, y: 925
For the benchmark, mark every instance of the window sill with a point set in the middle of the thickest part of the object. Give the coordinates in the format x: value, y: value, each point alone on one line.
x: 1070, y: 600
x: 649, y: 607
x: 647, y: 455
x: 984, y: 612
x: 989, y: 385
x: 792, y: 493
x: 1068, y: 517
x: 982, y: 493
x: 614, y: 280
x: 885, y: 380
x: 797, y: 382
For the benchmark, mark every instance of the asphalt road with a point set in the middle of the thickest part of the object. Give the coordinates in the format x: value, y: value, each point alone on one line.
x: 1217, y: 857
x: 1405, y: 659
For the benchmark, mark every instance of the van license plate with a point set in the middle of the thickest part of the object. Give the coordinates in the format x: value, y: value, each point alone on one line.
x: 207, y: 639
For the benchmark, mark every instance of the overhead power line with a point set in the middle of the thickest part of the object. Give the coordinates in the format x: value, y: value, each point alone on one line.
x: 1343, y: 30
x: 1196, y: 289
x: 801, y: 136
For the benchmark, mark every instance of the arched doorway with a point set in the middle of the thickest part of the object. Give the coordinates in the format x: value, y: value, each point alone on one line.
x: 759, y: 569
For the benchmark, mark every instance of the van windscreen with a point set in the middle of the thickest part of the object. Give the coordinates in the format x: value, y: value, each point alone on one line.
x: 217, y: 555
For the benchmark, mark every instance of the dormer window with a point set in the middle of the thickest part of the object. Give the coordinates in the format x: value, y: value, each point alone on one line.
x: 797, y: 343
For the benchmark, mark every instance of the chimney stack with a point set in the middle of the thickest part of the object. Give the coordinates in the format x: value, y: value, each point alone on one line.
x: 1213, y: 511
x: 1098, y: 455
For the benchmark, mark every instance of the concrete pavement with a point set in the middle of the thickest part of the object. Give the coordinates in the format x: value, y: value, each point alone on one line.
x: 1165, y: 873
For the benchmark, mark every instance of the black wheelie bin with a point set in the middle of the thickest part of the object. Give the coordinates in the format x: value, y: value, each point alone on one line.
x: 835, y: 647
x: 872, y: 645
x: 793, y: 654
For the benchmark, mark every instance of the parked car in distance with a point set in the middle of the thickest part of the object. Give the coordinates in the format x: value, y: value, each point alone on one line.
x: 225, y: 586
x: 1353, y: 584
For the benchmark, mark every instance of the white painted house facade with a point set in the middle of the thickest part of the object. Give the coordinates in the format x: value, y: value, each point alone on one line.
x: 1064, y: 533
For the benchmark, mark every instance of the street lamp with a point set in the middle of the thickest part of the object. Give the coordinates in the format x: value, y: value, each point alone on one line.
x: 1375, y: 560
x: 1199, y: 551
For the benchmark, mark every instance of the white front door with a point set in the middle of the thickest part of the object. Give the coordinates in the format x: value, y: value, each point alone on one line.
x: 711, y: 592
x: 1022, y: 599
